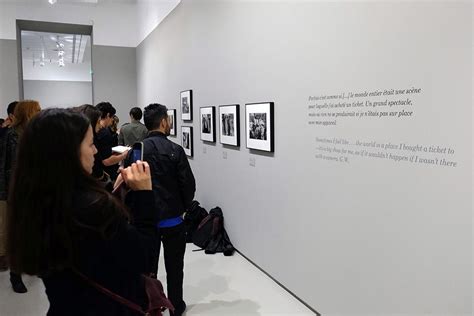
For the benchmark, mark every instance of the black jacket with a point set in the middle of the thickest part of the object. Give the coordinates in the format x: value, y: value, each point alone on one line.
x: 3, y: 157
x: 102, y: 141
x: 173, y: 180
x: 8, y: 144
x: 115, y: 263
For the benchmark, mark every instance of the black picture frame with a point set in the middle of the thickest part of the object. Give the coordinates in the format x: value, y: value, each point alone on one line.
x: 260, y: 126
x: 187, y: 141
x: 186, y: 105
x: 172, y: 118
x: 207, y: 120
x: 229, y: 127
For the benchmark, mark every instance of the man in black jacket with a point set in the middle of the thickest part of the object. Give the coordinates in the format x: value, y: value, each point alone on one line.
x: 174, y: 187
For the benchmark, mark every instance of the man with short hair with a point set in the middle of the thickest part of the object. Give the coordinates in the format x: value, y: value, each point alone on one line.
x: 135, y: 131
x: 103, y: 141
x: 10, y: 110
x: 174, y: 186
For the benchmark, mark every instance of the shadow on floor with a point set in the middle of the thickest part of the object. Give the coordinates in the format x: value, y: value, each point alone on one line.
x: 218, y: 307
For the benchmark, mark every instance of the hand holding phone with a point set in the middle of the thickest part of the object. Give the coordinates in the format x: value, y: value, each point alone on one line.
x: 137, y: 176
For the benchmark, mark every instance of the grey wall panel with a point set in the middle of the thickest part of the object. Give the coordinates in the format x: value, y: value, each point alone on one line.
x: 115, y: 78
x: 8, y: 74
x: 58, y: 93
x: 369, y: 237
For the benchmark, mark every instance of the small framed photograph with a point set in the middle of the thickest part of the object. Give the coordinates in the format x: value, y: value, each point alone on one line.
x: 186, y: 102
x: 187, y: 142
x: 172, y: 121
x: 259, y: 126
x: 208, y: 123
x: 229, y: 118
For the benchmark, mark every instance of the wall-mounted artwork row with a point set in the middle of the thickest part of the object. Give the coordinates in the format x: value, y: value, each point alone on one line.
x: 186, y: 101
x: 259, y: 126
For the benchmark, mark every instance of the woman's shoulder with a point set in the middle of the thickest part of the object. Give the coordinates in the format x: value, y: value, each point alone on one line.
x: 95, y: 210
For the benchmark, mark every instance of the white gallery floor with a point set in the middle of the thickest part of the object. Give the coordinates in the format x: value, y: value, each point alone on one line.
x: 213, y: 285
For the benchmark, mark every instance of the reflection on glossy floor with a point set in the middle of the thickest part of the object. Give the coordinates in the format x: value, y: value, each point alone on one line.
x: 214, y: 285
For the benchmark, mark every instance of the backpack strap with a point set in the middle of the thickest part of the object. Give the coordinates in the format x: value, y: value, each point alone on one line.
x: 111, y: 294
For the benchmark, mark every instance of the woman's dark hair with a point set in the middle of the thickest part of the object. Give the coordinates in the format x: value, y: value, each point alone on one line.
x: 136, y: 113
x: 153, y: 115
x: 106, y: 108
x: 47, y: 185
x: 91, y: 112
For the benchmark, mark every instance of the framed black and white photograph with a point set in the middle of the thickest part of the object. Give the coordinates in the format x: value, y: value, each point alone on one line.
x: 187, y: 140
x: 259, y: 126
x: 208, y: 123
x: 172, y: 121
x: 186, y: 102
x: 229, y: 118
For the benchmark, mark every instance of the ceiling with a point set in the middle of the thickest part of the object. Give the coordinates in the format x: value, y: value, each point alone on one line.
x: 115, y: 22
x: 50, y: 47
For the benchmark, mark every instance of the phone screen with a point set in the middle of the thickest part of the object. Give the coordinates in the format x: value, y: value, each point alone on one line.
x: 137, y: 152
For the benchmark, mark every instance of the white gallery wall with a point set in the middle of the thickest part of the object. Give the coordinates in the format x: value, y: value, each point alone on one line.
x: 62, y: 94
x: 52, y: 72
x: 365, y: 208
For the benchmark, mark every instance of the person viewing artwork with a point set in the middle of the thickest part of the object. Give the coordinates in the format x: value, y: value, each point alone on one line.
x: 70, y: 228
x: 112, y: 141
x: 3, y: 190
x: 103, y: 141
x: 174, y: 187
x: 10, y: 114
x: 23, y: 114
x: 134, y: 131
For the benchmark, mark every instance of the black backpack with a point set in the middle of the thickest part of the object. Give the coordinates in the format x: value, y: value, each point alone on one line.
x: 211, y: 235
x: 192, y: 219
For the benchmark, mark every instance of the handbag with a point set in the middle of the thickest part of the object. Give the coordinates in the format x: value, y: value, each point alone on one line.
x: 157, y: 300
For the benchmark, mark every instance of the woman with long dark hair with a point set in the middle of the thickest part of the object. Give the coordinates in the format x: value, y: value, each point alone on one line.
x: 64, y: 227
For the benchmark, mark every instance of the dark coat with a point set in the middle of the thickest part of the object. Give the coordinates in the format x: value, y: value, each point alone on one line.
x: 173, y: 180
x: 116, y: 263
x: 8, y: 144
x: 3, y: 157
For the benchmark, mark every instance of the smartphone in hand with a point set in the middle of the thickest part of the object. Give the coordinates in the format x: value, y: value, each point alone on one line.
x: 137, y: 152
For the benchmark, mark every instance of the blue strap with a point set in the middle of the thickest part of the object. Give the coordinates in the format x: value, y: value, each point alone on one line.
x: 170, y: 222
